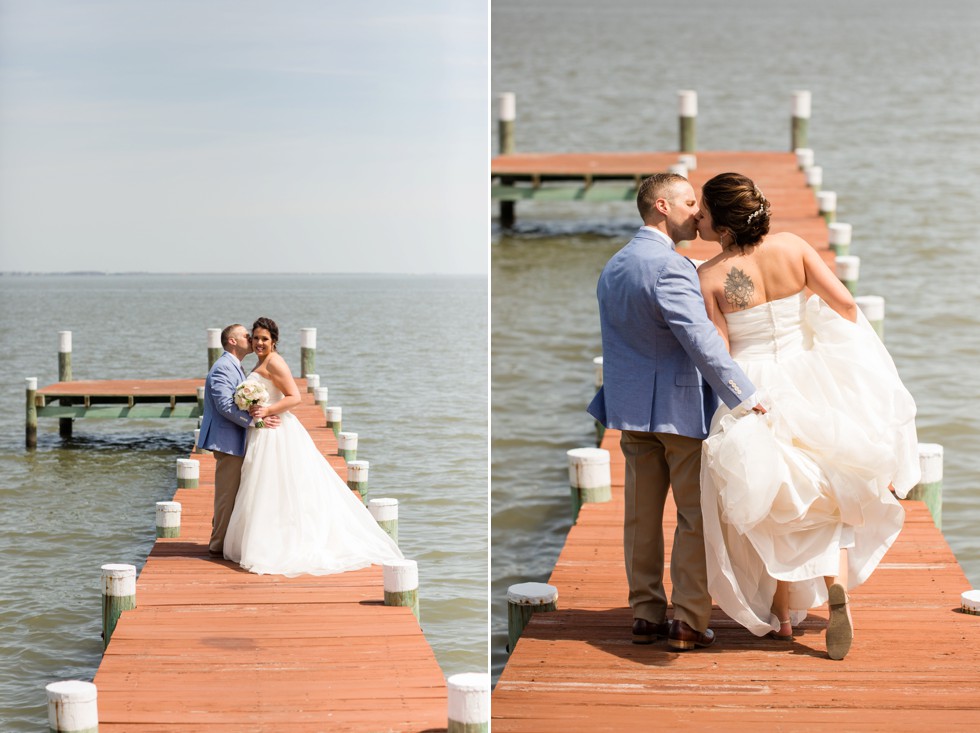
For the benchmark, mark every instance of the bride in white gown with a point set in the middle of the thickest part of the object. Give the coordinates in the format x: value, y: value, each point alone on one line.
x: 796, y: 502
x: 293, y: 513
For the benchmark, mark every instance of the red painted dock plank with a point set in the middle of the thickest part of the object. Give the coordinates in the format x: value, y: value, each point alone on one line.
x: 913, y: 665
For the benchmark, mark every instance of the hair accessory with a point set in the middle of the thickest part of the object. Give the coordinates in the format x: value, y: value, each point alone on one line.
x: 758, y: 212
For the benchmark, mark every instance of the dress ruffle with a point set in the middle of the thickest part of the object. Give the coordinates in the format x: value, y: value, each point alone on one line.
x: 783, y: 492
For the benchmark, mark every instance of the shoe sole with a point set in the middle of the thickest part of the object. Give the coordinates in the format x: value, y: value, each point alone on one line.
x: 839, y: 631
x: 680, y: 645
x: 644, y: 639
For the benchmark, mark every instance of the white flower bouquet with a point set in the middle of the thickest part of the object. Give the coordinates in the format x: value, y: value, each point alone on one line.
x: 250, y: 393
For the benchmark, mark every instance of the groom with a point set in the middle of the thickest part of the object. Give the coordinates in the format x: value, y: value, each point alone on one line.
x: 656, y: 338
x: 223, y: 428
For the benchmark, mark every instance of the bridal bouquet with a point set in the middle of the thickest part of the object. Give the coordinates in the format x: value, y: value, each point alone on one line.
x: 250, y: 393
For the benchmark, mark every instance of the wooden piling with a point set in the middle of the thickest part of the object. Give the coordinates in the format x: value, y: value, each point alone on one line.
x: 335, y: 419
x: 401, y: 583
x: 804, y: 158
x: 688, y: 120
x: 72, y: 707
x: 589, y: 477
x: 312, y: 383
x: 31, y: 413
x: 347, y: 446
x: 385, y: 513
x: 469, y: 703
x: 930, y: 486
x: 168, y: 518
x: 214, y: 346
x: 523, y: 601
x: 839, y: 236
x: 800, y: 123
x: 827, y: 205
x: 357, y: 477
x: 320, y: 398
x: 118, y: 595
x: 873, y: 307
x: 307, y: 350
x: 188, y: 473
x: 64, y: 375
x: 848, y: 268
x: 506, y: 115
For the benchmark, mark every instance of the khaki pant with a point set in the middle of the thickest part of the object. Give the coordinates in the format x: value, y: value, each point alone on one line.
x: 227, y: 477
x: 655, y: 462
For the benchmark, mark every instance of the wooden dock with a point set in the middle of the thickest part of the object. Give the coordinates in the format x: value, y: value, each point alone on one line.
x: 913, y: 666
x: 211, y: 647
x: 616, y: 177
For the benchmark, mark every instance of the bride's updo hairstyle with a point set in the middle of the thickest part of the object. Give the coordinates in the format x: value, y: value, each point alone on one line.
x: 738, y: 205
x: 269, y: 325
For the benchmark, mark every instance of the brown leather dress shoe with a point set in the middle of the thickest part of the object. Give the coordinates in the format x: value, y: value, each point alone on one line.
x: 682, y: 637
x: 646, y: 632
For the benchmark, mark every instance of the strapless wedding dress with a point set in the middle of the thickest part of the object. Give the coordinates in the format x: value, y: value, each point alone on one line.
x: 294, y: 514
x: 782, y: 493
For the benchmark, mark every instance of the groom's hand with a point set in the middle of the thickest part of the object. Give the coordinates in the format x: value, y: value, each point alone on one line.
x: 273, y: 421
x: 760, y: 409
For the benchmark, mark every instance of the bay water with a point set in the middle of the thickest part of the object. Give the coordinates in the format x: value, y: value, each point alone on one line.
x: 405, y: 357
x: 895, y: 124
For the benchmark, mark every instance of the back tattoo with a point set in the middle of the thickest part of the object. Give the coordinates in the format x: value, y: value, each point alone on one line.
x: 738, y: 289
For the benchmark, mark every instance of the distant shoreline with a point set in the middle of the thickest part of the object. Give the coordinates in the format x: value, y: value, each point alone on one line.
x: 98, y: 273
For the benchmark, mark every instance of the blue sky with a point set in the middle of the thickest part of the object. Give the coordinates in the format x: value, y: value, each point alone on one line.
x: 235, y: 135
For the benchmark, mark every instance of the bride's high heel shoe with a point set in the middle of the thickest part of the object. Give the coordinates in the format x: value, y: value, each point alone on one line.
x: 782, y: 637
x: 840, y: 631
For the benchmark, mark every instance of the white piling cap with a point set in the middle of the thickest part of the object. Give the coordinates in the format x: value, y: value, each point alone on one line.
x: 200, y: 392
x: 358, y: 470
x: 118, y: 580
x: 320, y: 394
x: 801, y: 104
x: 839, y: 233
x: 689, y: 161
x: 827, y: 201
x: 168, y: 513
x: 970, y: 602
x: 872, y: 306
x: 384, y: 509
x: 400, y: 575
x: 532, y: 594
x: 931, y: 462
x: 506, y: 107
x: 31, y: 384
x: 687, y: 103
x: 678, y: 168
x: 64, y: 342
x: 334, y: 414
x: 307, y: 338
x: 847, y: 267
x: 188, y: 468
x: 214, y: 338
x: 588, y: 468
x: 469, y: 698
x: 72, y: 705
x: 814, y: 175
x: 313, y: 381
x: 804, y: 157
x: 347, y: 441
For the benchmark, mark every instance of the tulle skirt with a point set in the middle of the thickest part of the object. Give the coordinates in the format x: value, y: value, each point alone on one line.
x: 295, y: 515
x: 782, y: 493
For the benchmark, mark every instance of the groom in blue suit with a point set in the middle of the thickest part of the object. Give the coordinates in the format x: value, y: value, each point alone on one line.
x: 664, y: 367
x: 223, y: 428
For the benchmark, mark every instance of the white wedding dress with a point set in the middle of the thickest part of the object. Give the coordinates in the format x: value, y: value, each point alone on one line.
x: 782, y: 493
x: 293, y: 513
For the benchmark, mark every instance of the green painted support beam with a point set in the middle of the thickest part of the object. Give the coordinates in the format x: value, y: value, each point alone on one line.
x: 182, y: 410
x: 597, y: 193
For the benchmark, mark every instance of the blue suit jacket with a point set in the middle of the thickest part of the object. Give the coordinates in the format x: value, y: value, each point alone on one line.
x: 223, y: 425
x: 657, y: 342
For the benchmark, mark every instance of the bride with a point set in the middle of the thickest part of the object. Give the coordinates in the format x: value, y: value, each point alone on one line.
x: 293, y: 513
x: 796, y: 503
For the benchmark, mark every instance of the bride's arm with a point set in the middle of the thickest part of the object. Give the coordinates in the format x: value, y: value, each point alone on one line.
x: 281, y: 377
